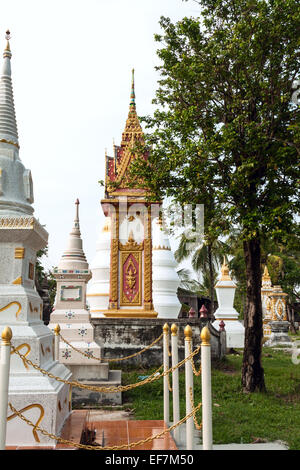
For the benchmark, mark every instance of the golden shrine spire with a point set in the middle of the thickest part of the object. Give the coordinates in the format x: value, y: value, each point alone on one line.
x: 133, y: 130
x: 132, y: 95
x: 118, y: 177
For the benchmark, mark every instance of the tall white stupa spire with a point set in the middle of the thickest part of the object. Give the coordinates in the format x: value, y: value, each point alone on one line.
x: 21, y: 236
x: 8, y: 124
x: 16, y: 189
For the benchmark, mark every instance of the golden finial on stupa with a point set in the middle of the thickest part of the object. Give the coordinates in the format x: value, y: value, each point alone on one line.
x: 225, y: 276
x: 7, y: 52
x: 266, y: 275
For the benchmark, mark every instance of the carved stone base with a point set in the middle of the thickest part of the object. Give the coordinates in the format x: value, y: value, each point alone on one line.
x: 279, y: 334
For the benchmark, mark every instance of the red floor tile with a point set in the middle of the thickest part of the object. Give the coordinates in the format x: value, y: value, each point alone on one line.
x: 116, y: 433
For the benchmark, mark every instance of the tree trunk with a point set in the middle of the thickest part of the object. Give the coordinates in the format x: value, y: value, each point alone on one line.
x: 252, y: 371
x: 211, y: 280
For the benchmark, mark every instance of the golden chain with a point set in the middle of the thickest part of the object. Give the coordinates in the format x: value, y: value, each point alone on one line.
x: 169, y: 385
x: 168, y: 346
x: 89, y: 447
x: 111, y: 389
x: 196, y: 372
x: 90, y: 356
x: 197, y: 425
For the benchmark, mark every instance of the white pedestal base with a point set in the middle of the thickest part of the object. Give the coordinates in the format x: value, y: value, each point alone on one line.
x: 235, y: 332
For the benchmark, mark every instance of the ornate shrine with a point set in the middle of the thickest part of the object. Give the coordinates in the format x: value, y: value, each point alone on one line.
x: 131, y: 241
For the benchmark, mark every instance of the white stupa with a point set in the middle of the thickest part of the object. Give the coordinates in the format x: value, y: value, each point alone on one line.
x: 98, y: 287
x: 70, y: 312
x: 42, y: 400
x: 165, y: 280
x: 225, y: 289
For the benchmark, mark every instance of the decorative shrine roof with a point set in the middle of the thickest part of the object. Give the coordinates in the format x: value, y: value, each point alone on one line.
x: 117, y: 180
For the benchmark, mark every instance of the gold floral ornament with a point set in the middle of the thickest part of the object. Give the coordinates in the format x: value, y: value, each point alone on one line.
x: 131, y: 275
x: 225, y: 276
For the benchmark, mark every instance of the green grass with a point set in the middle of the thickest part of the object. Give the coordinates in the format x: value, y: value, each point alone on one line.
x: 237, y: 417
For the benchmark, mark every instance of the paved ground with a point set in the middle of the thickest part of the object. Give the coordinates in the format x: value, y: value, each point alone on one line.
x: 181, y: 443
x: 101, y: 415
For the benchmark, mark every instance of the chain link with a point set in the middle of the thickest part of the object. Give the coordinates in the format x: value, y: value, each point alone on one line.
x: 168, y: 345
x: 111, y: 389
x: 91, y: 356
x: 169, y: 385
x: 196, y: 372
x: 197, y: 425
x: 90, y: 447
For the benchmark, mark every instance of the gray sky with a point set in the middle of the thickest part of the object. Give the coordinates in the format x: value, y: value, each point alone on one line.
x: 71, y: 70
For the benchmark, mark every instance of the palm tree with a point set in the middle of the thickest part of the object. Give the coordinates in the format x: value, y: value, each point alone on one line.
x: 206, y: 259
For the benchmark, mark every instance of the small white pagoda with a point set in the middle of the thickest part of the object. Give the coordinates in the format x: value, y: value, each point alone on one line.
x: 225, y: 289
x: 40, y: 399
x: 79, y: 351
x: 70, y: 312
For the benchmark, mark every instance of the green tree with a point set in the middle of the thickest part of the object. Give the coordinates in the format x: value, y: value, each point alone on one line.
x: 205, y: 259
x: 225, y: 132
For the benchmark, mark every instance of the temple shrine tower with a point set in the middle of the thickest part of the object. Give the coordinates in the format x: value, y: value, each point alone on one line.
x: 123, y: 270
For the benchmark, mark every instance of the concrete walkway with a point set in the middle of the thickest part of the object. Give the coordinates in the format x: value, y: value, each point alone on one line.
x: 181, y: 443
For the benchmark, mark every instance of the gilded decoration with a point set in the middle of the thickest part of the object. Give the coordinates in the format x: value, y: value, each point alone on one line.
x: 225, y: 276
x: 131, y: 244
x: 124, y: 313
x: 114, y: 261
x: 12, y: 303
x: 21, y: 346
x: 117, y: 174
x: 29, y: 407
x: 19, y: 253
x: 131, y: 278
x: 148, y: 262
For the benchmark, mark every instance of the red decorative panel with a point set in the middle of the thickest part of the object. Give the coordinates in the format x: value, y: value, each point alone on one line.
x: 131, y: 273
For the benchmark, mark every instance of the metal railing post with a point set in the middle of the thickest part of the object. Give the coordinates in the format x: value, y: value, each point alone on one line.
x: 206, y: 389
x: 4, y: 382
x: 189, y: 388
x: 175, y: 381
x: 56, y: 342
x: 166, y: 367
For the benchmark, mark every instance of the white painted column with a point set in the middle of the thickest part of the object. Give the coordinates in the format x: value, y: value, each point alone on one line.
x: 189, y: 384
x: 56, y: 342
x: 4, y: 382
x: 166, y: 367
x: 175, y: 381
x: 207, y: 439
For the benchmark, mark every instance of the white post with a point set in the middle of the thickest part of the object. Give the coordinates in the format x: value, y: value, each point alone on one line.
x: 189, y: 380
x: 175, y: 381
x: 166, y: 367
x: 206, y: 390
x: 56, y: 343
x: 4, y: 381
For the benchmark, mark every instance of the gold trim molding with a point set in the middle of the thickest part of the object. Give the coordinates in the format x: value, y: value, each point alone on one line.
x: 122, y: 313
x: 19, y: 253
x: 12, y: 303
